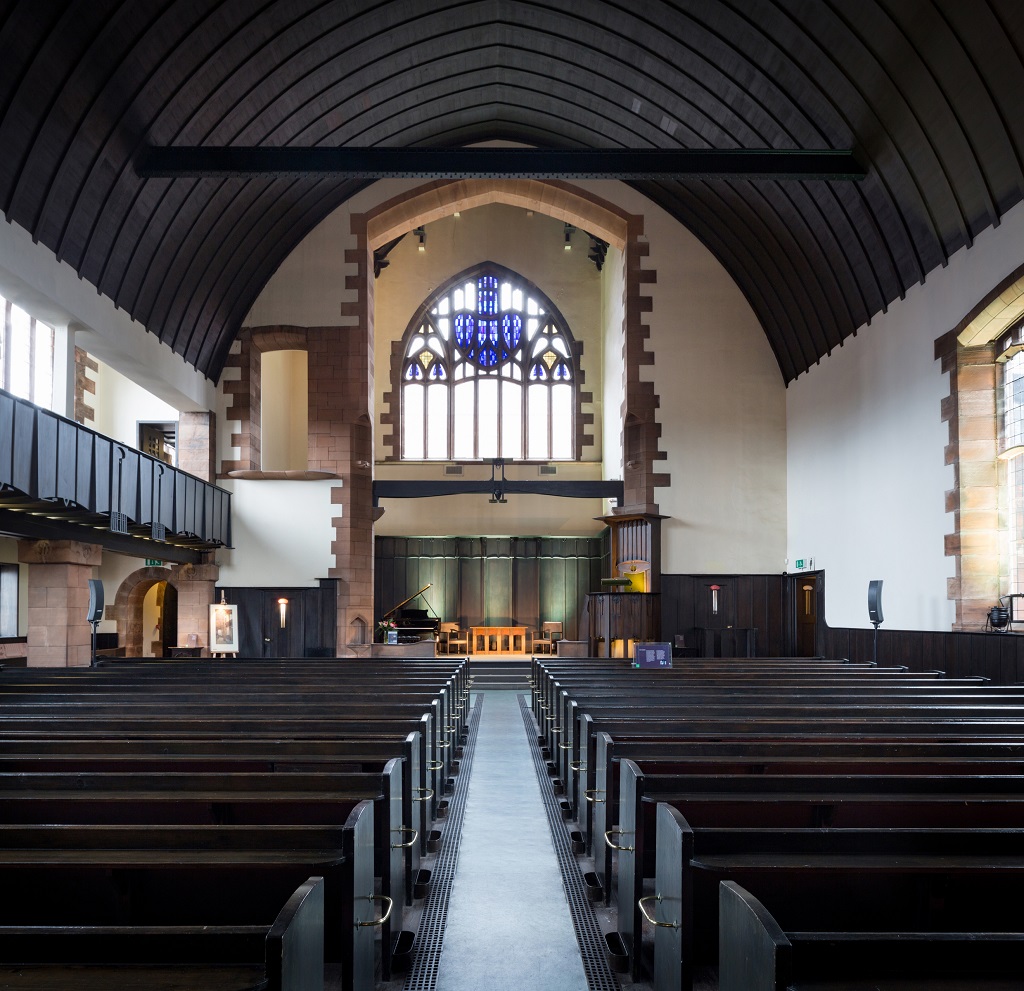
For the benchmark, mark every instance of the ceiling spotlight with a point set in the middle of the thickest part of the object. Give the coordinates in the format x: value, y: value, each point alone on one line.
x: 421, y: 234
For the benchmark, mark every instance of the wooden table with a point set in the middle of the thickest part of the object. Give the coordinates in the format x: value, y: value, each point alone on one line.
x: 498, y: 639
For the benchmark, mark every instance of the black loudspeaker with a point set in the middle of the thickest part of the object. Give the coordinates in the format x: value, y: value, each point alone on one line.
x: 875, y: 601
x: 95, y: 601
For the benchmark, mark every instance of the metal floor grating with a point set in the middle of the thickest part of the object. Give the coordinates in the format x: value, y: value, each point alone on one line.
x: 430, y: 933
x: 600, y: 976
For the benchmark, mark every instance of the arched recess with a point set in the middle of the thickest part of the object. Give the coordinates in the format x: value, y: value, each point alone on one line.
x: 128, y: 606
x: 441, y: 199
x: 573, y: 205
x: 353, y: 546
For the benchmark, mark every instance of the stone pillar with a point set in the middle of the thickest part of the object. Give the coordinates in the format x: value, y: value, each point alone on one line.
x: 341, y: 442
x: 197, y: 444
x: 195, y: 584
x: 59, y: 634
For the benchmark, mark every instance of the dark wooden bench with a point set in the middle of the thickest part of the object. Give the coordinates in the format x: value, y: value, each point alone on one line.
x: 198, y: 875
x: 287, y: 955
x: 757, y: 954
x: 307, y: 720
x: 236, y: 798
x: 559, y: 716
x: 159, y: 757
x: 767, y: 731
x: 685, y: 758
x: 921, y: 879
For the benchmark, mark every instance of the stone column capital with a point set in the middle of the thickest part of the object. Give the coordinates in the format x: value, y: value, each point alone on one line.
x: 59, y: 552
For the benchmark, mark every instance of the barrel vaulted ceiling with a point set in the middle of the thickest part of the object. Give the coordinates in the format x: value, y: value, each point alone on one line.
x: 927, y: 93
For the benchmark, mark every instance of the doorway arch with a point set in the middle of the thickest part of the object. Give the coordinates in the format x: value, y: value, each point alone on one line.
x: 129, y: 606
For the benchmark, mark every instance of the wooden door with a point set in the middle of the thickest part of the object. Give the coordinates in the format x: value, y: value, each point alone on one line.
x: 805, y: 605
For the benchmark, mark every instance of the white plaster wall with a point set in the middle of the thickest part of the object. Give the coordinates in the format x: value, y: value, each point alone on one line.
x: 308, y: 288
x: 723, y: 407
x: 866, y: 444
x: 475, y: 515
x: 120, y: 404
x: 281, y: 530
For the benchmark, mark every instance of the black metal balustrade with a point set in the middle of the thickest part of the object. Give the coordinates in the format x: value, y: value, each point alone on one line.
x: 60, y: 480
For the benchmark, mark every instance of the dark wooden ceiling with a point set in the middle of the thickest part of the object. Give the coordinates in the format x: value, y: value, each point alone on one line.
x: 926, y: 92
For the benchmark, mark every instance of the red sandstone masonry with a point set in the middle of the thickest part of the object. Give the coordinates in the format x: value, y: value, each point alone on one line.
x: 85, y: 384
x: 970, y: 414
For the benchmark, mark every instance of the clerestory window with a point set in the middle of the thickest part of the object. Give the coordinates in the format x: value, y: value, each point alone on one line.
x: 26, y: 355
x: 488, y: 371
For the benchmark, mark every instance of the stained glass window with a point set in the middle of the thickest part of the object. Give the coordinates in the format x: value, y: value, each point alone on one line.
x: 488, y: 371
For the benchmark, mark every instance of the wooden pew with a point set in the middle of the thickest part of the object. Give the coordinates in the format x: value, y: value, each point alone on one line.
x: 287, y: 955
x: 685, y: 758
x: 560, y: 712
x: 917, y: 878
x: 300, y: 720
x: 200, y: 875
x: 756, y: 954
x: 816, y: 723
x: 236, y: 798
x: 159, y: 757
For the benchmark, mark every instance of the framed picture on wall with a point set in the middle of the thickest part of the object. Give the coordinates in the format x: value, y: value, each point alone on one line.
x: 223, y: 628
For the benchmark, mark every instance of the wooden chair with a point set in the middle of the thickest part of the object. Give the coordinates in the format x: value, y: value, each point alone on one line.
x: 547, y: 638
x: 452, y: 640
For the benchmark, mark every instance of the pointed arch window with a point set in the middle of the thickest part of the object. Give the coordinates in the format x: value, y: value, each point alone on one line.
x: 488, y: 371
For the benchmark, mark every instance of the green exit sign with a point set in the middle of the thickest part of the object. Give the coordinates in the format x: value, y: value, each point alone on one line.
x: 800, y: 562
x: 152, y: 562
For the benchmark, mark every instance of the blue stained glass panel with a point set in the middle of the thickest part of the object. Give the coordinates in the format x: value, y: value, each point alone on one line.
x: 511, y: 330
x: 560, y: 373
x: 487, y: 333
x: 487, y: 295
x: 464, y: 330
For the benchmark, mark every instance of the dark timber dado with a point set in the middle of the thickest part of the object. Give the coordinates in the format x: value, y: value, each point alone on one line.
x: 768, y: 603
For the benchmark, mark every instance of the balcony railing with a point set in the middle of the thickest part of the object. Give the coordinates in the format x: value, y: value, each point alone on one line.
x: 63, y: 476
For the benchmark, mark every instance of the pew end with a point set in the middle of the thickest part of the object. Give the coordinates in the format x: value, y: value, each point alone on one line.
x: 754, y: 953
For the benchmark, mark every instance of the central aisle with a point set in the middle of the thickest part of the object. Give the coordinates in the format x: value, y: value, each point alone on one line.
x: 508, y: 923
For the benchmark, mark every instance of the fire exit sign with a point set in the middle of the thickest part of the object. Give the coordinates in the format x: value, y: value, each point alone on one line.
x: 804, y: 563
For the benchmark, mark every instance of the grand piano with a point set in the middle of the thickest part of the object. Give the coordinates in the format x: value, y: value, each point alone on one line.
x: 413, y: 624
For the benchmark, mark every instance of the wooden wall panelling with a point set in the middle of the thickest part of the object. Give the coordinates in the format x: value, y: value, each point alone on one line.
x: 553, y: 593
x: 527, y: 585
x: 497, y: 572
x: 496, y: 579
x: 471, y: 598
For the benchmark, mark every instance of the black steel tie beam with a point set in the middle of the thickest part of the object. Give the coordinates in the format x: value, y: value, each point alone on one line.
x: 424, y: 488
x: 499, y: 163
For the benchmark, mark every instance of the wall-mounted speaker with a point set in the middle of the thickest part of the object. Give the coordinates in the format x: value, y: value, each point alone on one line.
x: 875, y: 601
x: 95, y: 601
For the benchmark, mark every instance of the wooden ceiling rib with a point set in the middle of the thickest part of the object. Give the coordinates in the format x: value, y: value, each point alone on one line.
x: 926, y: 91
